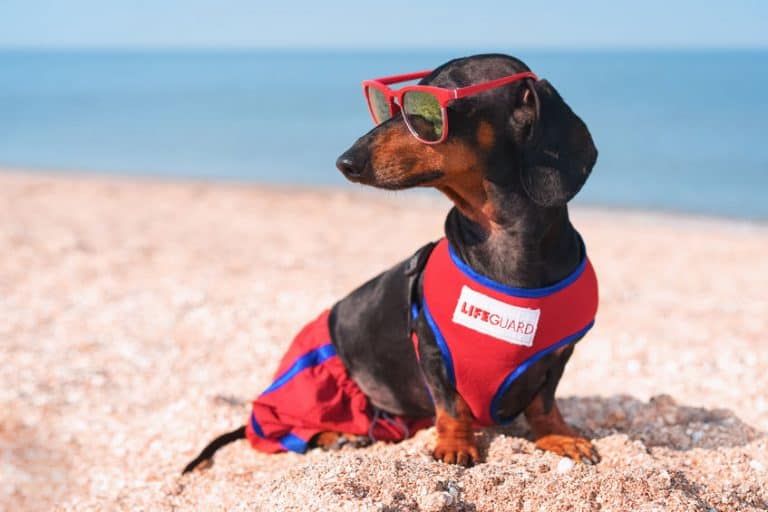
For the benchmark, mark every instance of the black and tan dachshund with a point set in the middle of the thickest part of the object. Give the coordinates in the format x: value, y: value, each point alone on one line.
x: 514, y: 156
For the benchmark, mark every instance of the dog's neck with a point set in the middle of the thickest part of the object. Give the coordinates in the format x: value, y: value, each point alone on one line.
x: 514, y: 241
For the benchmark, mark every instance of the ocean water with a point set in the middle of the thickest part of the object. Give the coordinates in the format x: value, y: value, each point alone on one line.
x: 676, y: 130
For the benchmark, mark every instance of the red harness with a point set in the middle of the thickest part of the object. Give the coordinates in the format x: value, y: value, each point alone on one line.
x: 489, y: 334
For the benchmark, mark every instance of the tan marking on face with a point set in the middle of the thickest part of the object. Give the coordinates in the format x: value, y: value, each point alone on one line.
x: 396, y: 155
x: 486, y: 137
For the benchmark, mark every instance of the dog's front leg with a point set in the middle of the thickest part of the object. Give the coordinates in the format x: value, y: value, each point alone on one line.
x: 453, y: 418
x: 550, y: 431
x: 553, y: 434
x: 455, y: 435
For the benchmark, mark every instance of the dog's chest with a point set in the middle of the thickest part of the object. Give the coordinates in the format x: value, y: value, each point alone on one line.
x: 489, y: 334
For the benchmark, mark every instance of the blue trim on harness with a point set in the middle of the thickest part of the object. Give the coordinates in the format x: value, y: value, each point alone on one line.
x: 290, y: 442
x: 414, y: 317
x: 414, y: 311
x: 308, y: 360
x: 447, y: 359
x: 528, y: 293
x: 523, y: 367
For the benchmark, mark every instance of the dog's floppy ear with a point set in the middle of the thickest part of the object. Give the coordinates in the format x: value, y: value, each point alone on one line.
x: 557, y: 152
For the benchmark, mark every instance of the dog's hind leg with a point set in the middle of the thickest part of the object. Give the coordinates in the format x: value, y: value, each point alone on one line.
x: 336, y: 440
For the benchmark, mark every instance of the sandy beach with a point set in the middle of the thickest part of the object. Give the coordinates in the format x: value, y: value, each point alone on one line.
x: 138, y: 318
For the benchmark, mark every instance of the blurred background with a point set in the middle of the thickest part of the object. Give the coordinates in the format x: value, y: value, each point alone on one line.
x: 674, y: 93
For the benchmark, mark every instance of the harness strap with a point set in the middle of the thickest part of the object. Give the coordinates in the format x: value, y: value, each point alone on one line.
x: 379, y: 415
x: 413, y: 271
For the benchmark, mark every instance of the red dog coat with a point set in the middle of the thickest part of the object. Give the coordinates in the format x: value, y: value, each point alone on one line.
x: 312, y: 393
x: 488, y: 333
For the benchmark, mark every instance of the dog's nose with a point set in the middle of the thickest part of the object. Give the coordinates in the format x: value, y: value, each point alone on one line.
x: 350, y: 166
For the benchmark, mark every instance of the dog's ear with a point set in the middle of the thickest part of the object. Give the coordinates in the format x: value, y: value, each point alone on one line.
x: 557, y: 152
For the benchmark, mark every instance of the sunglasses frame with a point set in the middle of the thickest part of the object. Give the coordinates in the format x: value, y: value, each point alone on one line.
x: 444, y: 96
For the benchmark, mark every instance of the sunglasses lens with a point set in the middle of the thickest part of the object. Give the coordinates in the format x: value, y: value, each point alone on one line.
x: 379, y: 105
x: 423, y: 115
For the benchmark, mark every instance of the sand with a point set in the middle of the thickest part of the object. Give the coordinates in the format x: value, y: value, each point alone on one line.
x: 138, y: 318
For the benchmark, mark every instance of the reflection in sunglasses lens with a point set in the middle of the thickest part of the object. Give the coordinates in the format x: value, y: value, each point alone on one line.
x: 379, y: 105
x: 423, y: 115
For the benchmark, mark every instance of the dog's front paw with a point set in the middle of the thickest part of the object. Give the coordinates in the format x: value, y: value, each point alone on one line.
x: 576, y: 448
x: 456, y: 451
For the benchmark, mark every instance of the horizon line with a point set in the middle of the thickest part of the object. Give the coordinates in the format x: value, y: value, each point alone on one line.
x: 377, y: 49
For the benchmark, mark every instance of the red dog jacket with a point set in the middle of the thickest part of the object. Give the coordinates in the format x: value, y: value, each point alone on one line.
x: 312, y: 393
x: 488, y: 333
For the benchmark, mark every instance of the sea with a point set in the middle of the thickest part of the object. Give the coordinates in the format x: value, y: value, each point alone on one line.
x: 677, y: 130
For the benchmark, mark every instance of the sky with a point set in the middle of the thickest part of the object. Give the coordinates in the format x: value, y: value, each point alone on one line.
x: 384, y: 24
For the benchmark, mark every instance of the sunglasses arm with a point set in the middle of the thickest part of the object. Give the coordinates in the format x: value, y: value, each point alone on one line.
x: 474, y: 89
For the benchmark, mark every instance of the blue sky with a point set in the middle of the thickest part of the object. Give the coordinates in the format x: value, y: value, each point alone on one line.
x: 384, y: 24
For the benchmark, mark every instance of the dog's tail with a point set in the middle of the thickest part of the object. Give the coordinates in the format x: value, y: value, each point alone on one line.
x: 214, y: 446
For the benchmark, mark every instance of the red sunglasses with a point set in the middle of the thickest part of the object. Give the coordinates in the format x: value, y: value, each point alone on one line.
x: 424, y: 106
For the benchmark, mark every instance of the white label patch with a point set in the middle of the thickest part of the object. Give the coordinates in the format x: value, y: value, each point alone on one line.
x: 489, y: 316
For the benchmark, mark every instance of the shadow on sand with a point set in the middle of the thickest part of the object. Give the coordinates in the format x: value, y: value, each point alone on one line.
x: 659, y: 422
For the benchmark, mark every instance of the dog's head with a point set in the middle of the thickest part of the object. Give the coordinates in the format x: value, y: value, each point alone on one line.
x: 519, y: 137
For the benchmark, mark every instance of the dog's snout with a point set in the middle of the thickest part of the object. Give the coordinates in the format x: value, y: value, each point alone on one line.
x: 347, y: 166
x: 351, y: 165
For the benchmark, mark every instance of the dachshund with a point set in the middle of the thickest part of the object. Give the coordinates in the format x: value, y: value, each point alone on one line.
x: 471, y: 330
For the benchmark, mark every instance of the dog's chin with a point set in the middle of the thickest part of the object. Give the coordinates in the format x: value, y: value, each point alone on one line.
x: 401, y: 182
